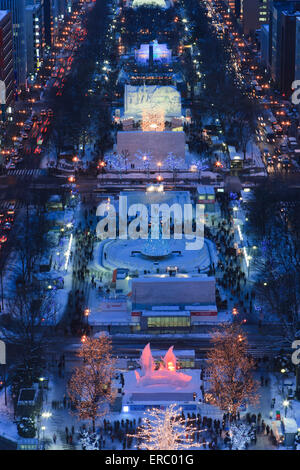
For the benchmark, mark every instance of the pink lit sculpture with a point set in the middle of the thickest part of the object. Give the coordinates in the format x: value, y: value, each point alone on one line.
x: 165, y: 375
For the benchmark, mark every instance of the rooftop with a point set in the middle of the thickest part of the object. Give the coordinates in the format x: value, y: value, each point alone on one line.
x: 3, y: 13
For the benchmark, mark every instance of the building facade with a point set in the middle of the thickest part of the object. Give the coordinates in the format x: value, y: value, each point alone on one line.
x: 264, y: 44
x: 17, y: 9
x: 34, y: 37
x: 6, y: 56
x: 276, y: 48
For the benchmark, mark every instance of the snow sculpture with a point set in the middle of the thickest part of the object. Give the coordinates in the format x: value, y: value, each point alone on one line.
x: 167, y: 373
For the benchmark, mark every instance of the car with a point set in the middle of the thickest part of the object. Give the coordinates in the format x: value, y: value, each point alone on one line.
x: 17, y: 159
x: 7, y: 226
x: 24, y: 136
x: 39, y: 140
x: 43, y: 112
x: 3, y: 238
x: 10, y: 214
x: 10, y: 166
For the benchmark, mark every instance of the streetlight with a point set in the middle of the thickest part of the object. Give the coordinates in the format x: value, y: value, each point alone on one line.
x: 42, y: 379
x: 283, y: 371
x: 285, y: 404
x: 249, y: 258
x: 43, y: 428
x: 86, y: 314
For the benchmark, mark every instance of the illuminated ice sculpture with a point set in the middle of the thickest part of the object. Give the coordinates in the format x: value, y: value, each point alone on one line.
x: 167, y: 373
x: 161, y: 53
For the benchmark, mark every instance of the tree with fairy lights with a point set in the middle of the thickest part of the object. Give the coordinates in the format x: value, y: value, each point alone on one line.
x: 174, y: 164
x: 90, y: 387
x: 143, y: 160
x: 116, y: 161
x: 199, y: 165
x: 166, y: 430
x: 230, y: 370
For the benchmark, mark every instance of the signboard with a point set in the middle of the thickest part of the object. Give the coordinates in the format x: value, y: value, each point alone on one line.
x: 2, y: 352
x: 2, y: 92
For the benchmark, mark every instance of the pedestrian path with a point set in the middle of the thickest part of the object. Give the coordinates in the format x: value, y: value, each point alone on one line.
x: 25, y: 173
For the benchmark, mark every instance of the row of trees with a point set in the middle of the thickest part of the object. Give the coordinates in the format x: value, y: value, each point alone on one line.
x: 30, y: 307
x: 223, y: 96
x: 80, y: 117
x: 273, y: 219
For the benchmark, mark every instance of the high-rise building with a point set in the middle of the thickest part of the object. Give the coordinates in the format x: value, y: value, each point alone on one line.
x: 47, y: 22
x: 297, y: 51
x: 34, y: 33
x: 264, y: 44
x: 282, y: 45
x: 6, y: 56
x: 264, y: 11
x: 277, y: 8
x: 17, y: 9
x: 250, y: 13
x: 289, y: 51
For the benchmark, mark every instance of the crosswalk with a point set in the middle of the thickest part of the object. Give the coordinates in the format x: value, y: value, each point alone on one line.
x: 6, y: 205
x: 25, y: 173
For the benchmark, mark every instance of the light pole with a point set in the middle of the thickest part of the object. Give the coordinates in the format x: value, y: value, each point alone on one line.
x: 283, y: 371
x: 43, y: 428
x: 146, y: 164
x: 249, y: 258
x: 86, y: 314
x: 285, y: 404
x: 3, y: 362
x: 102, y: 166
x: 42, y: 379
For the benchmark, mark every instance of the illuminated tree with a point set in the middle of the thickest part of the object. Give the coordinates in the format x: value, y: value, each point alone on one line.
x: 230, y: 370
x: 199, y: 165
x: 143, y: 160
x: 165, y: 430
x: 116, y: 162
x: 90, y: 387
x: 175, y: 163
